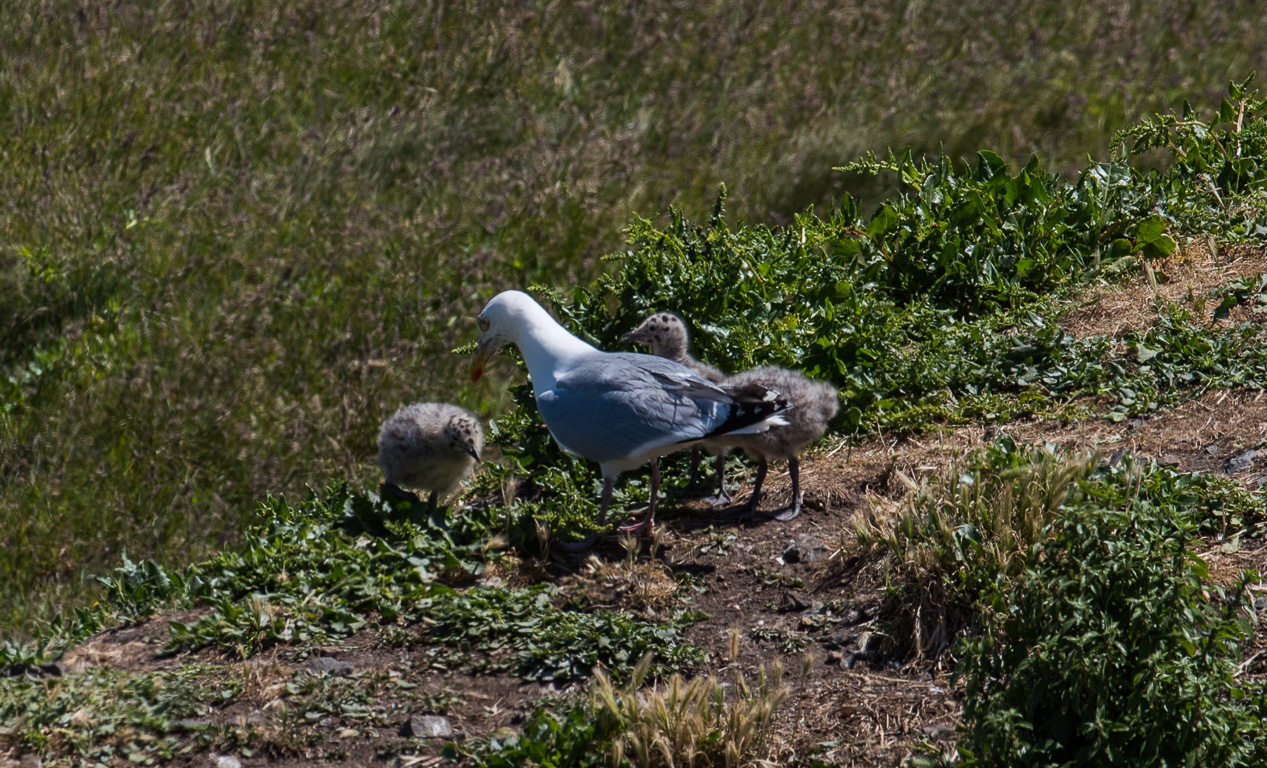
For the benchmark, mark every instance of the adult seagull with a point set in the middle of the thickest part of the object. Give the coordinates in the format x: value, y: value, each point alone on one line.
x: 619, y: 409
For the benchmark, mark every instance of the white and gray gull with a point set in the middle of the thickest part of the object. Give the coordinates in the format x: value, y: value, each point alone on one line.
x: 813, y: 404
x: 429, y: 446
x: 619, y: 409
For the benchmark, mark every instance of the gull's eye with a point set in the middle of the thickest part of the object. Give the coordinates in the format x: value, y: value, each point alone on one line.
x: 483, y: 324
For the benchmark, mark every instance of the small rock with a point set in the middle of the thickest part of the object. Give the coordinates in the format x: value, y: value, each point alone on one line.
x: 793, y: 602
x: 31, y: 761
x: 853, y: 616
x: 1168, y: 460
x: 1260, y: 604
x: 1242, y: 462
x: 792, y: 553
x: 323, y: 664
x: 807, y: 622
x: 1213, y: 450
x: 939, y: 730
x: 224, y: 761
x: 427, y: 727
x: 835, y: 657
x: 816, y: 607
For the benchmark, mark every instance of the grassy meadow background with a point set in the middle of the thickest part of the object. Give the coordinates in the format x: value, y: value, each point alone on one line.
x: 235, y: 236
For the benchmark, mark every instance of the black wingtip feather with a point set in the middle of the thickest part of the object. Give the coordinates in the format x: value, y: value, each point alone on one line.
x: 753, y: 404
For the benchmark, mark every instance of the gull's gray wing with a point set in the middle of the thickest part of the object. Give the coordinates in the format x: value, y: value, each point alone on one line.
x: 618, y: 406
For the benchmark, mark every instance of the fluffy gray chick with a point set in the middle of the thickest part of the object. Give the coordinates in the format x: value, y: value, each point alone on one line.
x: 814, y: 403
x: 666, y: 334
x: 429, y: 446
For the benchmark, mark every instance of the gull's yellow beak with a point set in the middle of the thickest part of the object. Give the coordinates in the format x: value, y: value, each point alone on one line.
x: 481, y: 359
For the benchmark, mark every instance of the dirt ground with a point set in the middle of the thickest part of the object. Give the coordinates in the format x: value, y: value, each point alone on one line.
x: 769, y: 583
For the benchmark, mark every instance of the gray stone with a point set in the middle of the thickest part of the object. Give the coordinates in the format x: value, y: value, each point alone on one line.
x: 323, y: 664
x: 794, y: 602
x: 427, y: 727
x: 1242, y: 462
x: 224, y: 761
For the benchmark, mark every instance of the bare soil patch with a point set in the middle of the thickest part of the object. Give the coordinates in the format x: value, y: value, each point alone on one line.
x: 1186, y: 279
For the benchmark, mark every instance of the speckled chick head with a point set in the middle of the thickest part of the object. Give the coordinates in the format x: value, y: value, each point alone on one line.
x: 665, y: 333
x: 465, y: 434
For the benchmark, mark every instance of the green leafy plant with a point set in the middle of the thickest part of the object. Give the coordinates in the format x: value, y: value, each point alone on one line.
x: 964, y: 532
x: 1112, y: 646
x: 525, y: 632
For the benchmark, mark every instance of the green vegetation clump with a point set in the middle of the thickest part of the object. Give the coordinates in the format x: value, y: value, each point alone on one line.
x: 1112, y: 646
x: 1088, y: 629
x: 962, y: 533
x: 526, y: 633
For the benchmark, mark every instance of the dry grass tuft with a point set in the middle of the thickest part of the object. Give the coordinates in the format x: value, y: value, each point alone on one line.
x: 955, y: 534
x: 695, y: 724
x: 636, y: 585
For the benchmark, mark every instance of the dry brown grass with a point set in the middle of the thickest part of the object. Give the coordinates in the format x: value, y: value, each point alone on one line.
x: 1185, y: 279
x: 641, y: 585
x: 692, y: 724
x: 966, y: 528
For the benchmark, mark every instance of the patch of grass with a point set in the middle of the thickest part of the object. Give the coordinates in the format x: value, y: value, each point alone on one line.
x: 580, y: 737
x: 696, y: 722
x: 523, y: 631
x: 103, y: 715
x: 638, y: 585
x: 784, y: 640
x: 977, y: 527
x: 964, y: 531
x: 193, y: 191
